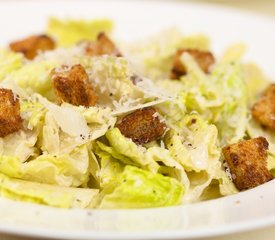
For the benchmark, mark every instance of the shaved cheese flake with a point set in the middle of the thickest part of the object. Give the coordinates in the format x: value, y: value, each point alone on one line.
x: 67, y: 118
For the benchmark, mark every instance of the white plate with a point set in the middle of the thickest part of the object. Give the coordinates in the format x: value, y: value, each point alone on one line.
x: 248, y: 210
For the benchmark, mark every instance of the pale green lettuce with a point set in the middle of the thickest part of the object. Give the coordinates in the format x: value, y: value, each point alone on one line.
x: 56, y: 196
x: 70, y: 170
x: 220, y: 97
x: 137, y: 188
x: 110, y: 168
x: 9, y: 61
x: 256, y: 81
x: 69, y: 126
x: 127, y: 147
x: 153, y: 57
x: 20, y: 144
x: 34, y: 77
x: 70, y: 32
x: 33, y: 113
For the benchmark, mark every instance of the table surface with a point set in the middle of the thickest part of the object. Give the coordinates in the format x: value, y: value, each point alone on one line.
x: 265, y: 7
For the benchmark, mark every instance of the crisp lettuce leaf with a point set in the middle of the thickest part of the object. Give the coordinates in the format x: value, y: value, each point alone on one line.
x: 195, y: 145
x: 33, y: 113
x: 110, y: 168
x: 70, y: 170
x: 234, y: 53
x: 220, y: 98
x: 256, y: 81
x: 118, y: 91
x: 153, y: 57
x: 127, y: 148
x: 50, y: 140
x: 68, y: 126
x: 168, y: 165
x: 198, y: 42
x: 9, y: 61
x: 70, y: 32
x: 232, y: 119
x: 20, y: 144
x: 55, y: 196
x: 34, y: 77
x: 137, y: 188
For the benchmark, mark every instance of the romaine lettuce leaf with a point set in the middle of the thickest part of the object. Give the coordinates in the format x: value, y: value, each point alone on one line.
x: 56, y: 196
x: 70, y: 170
x: 153, y: 57
x: 127, y: 148
x: 34, y: 77
x: 256, y: 81
x: 110, y: 168
x: 220, y: 98
x: 20, y: 144
x: 9, y: 61
x: 70, y: 32
x: 137, y: 188
x: 33, y: 113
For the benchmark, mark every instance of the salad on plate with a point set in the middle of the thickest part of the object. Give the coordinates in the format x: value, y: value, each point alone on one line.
x: 88, y: 121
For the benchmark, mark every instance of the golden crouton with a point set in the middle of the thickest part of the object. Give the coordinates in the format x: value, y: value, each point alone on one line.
x: 204, y: 59
x: 71, y: 85
x: 247, y: 161
x: 263, y: 110
x: 31, y: 46
x: 10, y: 119
x: 102, y: 46
x: 142, y: 126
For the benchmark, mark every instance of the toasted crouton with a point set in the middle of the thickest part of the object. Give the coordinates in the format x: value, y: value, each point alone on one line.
x: 102, y: 46
x: 32, y: 45
x: 263, y: 110
x: 204, y: 59
x: 71, y: 85
x: 10, y: 119
x: 142, y: 126
x: 247, y: 162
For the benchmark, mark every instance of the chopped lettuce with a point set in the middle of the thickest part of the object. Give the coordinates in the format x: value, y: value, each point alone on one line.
x: 70, y: 170
x: 20, y: 144
x: 33, y: 113
x: 56, y: 196
x: 110, y: 169
x: 195, y: 145
x: 9, y: 61
x: 127, y: 151
x: 137, y: 188
x: 34, y: 77
x: 153, y: 57
x: 70, y: 32
x: 220, y: 98
x: 127, y: 147
x: 255, y: 80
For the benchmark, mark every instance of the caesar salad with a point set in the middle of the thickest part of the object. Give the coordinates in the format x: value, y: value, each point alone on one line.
x: 88, y: 121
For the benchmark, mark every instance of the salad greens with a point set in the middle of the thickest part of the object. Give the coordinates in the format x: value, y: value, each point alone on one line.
x: 75, y: 156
